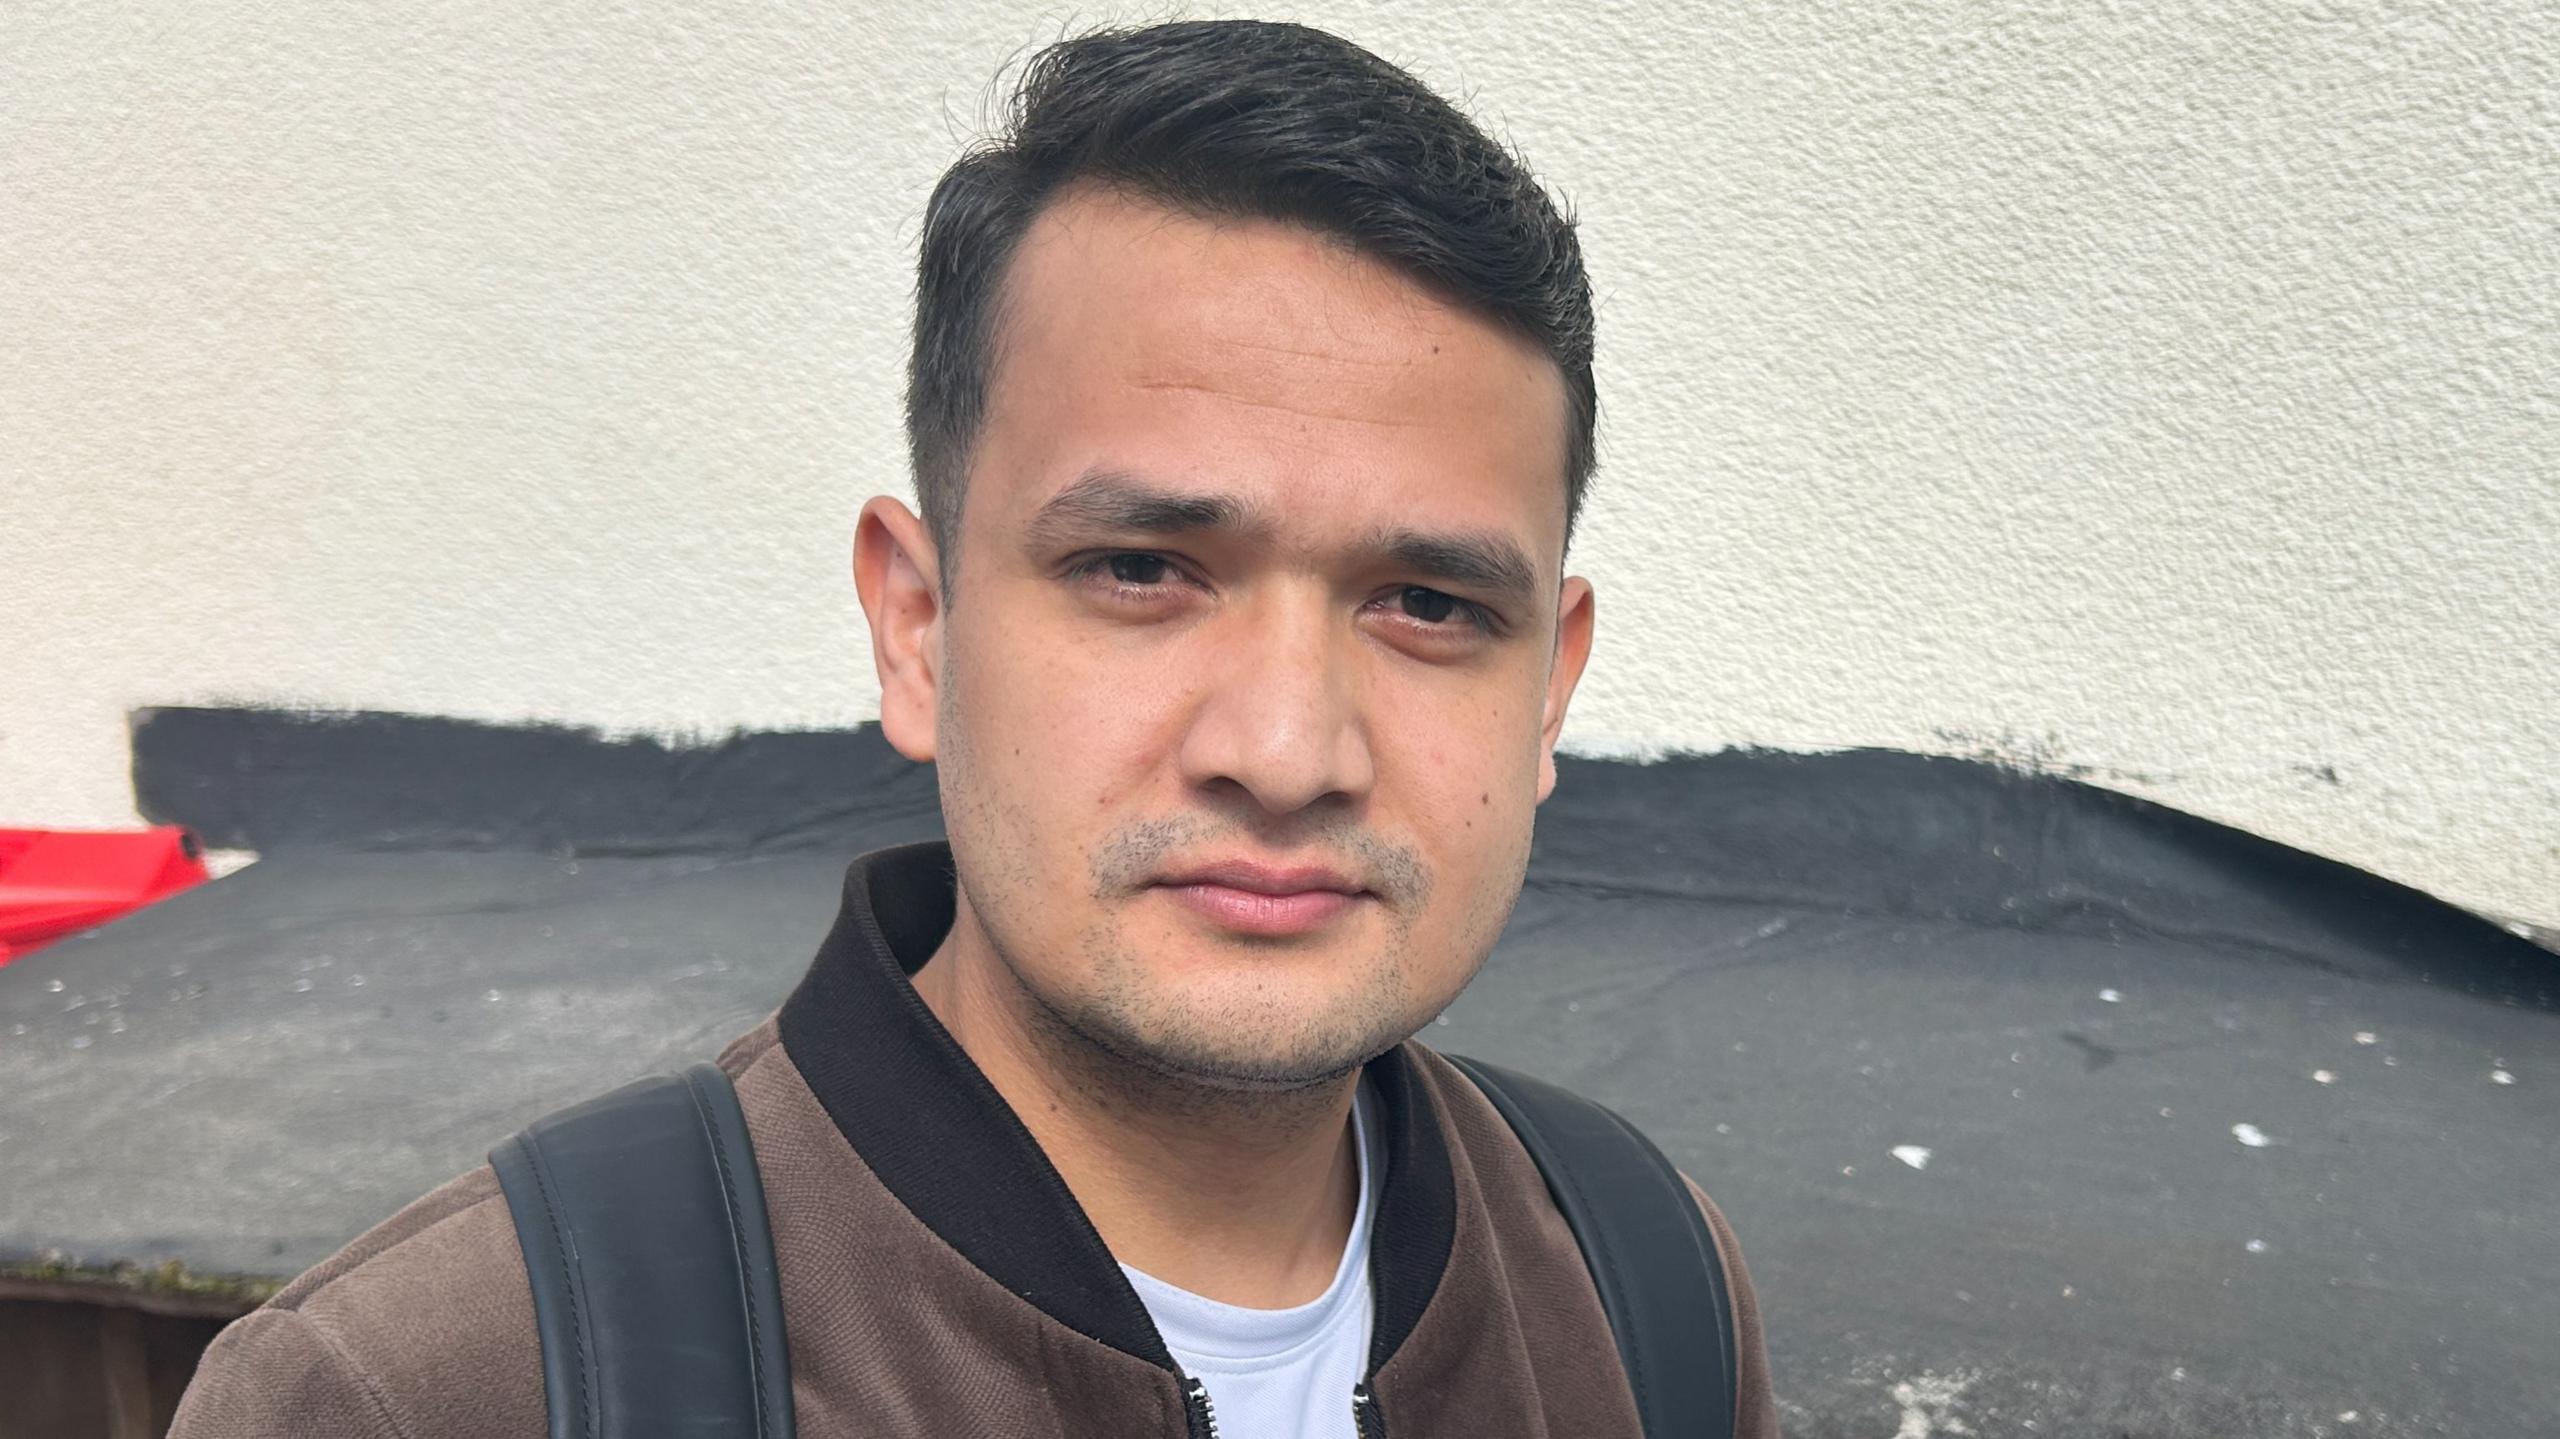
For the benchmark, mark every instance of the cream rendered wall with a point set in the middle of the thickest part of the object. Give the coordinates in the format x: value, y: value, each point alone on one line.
x: 2162, y: 391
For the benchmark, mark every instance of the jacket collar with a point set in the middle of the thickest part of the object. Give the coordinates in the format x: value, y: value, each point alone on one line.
x: 924, y: 1118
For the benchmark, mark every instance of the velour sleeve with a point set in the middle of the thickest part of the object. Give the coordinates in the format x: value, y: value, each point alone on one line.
x: 274, y: 1375
x: 1756, y: 1406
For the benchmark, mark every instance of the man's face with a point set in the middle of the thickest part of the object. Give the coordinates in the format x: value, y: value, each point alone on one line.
x: 1249, y: 679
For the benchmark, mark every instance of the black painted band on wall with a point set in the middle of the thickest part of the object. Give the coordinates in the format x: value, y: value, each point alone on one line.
x: 274, y: 779
x: 1866, y: 831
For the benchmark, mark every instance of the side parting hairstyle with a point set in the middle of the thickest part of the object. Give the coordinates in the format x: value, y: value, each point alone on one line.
x: 1245, y: 119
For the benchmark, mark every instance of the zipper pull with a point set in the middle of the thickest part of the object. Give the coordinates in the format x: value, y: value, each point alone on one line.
x: 1195, y: 1405
x: 1366, y: 1421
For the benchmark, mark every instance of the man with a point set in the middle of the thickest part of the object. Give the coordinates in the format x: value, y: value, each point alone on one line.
x: 1251, y: 407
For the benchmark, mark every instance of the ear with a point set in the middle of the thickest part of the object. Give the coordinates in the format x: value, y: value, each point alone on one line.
x: 899, y: 576
x: 1573, y: 650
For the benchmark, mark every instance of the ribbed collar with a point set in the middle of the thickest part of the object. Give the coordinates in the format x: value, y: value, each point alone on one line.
x: 924, y: 1118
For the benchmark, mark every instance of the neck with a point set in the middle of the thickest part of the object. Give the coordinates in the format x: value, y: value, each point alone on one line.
x: 1245, y: 1197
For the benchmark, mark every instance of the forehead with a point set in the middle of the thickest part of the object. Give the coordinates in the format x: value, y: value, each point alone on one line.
x: 1266, y: 361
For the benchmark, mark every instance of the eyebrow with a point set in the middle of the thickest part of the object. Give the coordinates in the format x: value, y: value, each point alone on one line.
x: 1113, y: 501
x: 1480, y: 560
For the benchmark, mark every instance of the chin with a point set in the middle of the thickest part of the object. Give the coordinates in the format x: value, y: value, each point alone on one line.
x: 1255, y: 1071
x: 1243, y: 1038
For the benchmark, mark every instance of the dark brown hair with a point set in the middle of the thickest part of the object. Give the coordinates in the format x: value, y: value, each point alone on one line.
x: 1248, y: 119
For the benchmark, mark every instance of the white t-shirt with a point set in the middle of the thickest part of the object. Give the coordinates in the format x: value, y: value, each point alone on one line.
x: 1281, y: 1373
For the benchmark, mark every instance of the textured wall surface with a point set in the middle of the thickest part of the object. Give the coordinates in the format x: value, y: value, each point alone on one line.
x: 2165, y: 393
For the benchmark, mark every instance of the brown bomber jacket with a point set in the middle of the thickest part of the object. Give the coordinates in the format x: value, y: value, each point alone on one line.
x: 936, y: 1276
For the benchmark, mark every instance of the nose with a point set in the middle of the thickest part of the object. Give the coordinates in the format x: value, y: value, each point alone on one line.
x: 1280, y: 714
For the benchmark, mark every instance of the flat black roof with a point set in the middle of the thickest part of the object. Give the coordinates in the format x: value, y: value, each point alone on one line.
x: 2028, y: 1100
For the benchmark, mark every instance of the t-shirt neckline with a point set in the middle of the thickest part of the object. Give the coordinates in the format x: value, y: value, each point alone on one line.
x: 1241, y: 1339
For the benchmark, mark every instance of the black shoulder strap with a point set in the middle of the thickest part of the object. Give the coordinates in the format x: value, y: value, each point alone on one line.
x: 1647, y: 1246
x: 643, y: 1225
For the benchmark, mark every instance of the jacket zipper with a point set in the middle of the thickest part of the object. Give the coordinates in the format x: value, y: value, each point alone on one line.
x: 1199, y: 1417
x: 1202, y: 1420
x: 1366, y: 1421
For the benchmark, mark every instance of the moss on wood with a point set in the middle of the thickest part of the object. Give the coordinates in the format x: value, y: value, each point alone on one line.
x: 167, y: 1279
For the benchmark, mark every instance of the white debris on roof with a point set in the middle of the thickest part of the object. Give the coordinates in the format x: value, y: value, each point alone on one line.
x: 1932, y: 1404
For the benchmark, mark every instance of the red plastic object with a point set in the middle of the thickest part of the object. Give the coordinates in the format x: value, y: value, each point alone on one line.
x: 55, y: 882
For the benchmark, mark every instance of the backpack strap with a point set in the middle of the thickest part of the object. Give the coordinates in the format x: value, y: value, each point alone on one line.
x: 1647, y: 1245
x: 642, y: 1220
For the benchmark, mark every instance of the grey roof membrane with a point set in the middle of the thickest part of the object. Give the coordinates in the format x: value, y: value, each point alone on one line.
x: 2137, y: 1128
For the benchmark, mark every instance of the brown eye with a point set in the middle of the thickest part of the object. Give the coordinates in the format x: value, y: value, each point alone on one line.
x: 1429, y: 606
x: 1137, y: 569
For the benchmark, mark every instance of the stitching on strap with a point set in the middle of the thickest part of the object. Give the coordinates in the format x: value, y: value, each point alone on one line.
x: 1634, y: 1351
x: 737, y: 1248
x: 1710, y: 1258
x: 571, y: 1287
x: 1596, y: 1244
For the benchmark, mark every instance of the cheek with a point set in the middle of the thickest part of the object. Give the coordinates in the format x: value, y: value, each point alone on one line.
x: 1472, y: 799
x: 1049, y: 729
x: 1476, y: 784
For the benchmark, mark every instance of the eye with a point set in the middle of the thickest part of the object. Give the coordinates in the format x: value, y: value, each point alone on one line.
x: 1429, y: 606
x: 1137, y: 569
x: 1435, y: 609
x: 1131, y: 575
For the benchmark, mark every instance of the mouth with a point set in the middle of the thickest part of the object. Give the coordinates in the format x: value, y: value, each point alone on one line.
x: 1263, y: 899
